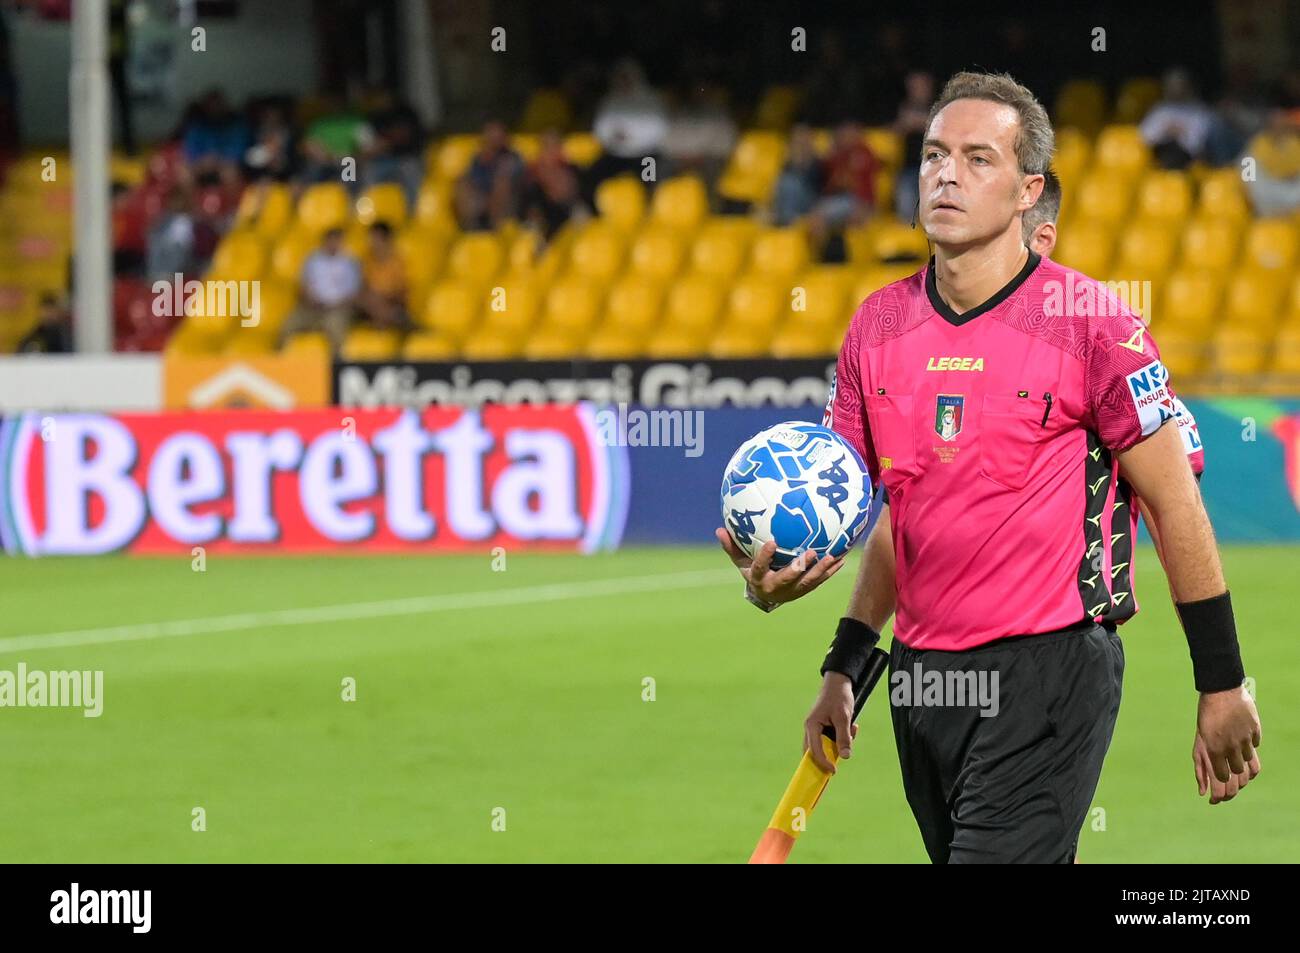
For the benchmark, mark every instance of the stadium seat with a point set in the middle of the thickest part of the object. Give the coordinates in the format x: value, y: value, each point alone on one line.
x: 794, y: 341
x: 1239, y: 350
x: 657, y: 252
x: 572, y: 306
x: 1190, y: 302
x: 887, y: 145
x: 1073, y: 150
x: 633, y: 304
x: 615, y: 344
x: 384, y: 202
x: 451, y: 157
x: 776, y: 107
x: 242, y: 344
x: 370, y: 344
x: 680, y: 203
x: 582, y: 148
x: 1286, y: 349
x: 527, y: 144
x: 693, y: 303
x: 819, y: 298
x: 549, y: 344
x: 719, y: 250
x: 1222, y: 196
x: 1120, y: 149
x: 490, y: 343
x: 1082, y: 104
x: 875, y: 278
x: 513, y: 305
x: 1270, y: 244
x: 433, y: 206
x: 423, y: 253
x: 290, y: 252
x: 779, y: 252
x: 241, y: 253
x: 1181, y: 351
x: 621, y: 202
x: 276, y: 300
x: 675, y: 343
x: 1146, y: 251
x: 597, y: 253
x: 323, y: 206
x: 308, y: 342
x: 1210, y: 244
x: 890, y: 241
x: 545, y: 109
x: 476, y: 258
x: 1253, y: 298
x: 1104, y: 195
x: 426, y: 346
x: 740, y: 342
x: 1086, y: 246
x: 1164, y: 195
x: 753, y: 167
x: 755, y: 302
x: 269, y: 209
x: 1135, y: 99
x: 453, y: 308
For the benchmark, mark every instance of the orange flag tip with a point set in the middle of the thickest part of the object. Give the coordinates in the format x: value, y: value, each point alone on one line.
x: 773, y: 847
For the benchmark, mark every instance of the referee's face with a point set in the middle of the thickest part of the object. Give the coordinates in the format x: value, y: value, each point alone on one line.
x: 971, y: 186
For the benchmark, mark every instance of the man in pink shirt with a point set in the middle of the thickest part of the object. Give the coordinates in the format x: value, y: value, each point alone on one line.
x: 1014, y: 411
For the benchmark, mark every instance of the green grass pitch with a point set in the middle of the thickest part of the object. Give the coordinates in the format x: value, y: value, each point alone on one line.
x: 536, y: 707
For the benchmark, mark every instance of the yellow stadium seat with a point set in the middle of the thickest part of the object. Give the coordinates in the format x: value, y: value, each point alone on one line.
x: 527, y: 144
x: 740, y: 342
x: 275, y: 300
x: 680, y: 203
x: 433, y: 206
x: 719, y: 250
x: 597, y: 252
x: 192, y: 341
x: 1190, y: 302
x: 1073, y: 150
x: 290, y: 252
x: 523, y: 251
x: 615, y: 344
x: 546, y: 109
x: 1286, y: 349
x: 658, y: 252
x: 1146, y: 251
x: 1209, y: 243
x: 1270, y: 244
x: 384, y: 202
x: 1103, y: 195
x: 308, y: 342
x: 422, y: 253
x: 1135, y: 99
x: 453, y: 308
x: 776, y: 107
x: 242, y: 344
x: 891, y: 241
x: 1253, y: 298
x: 572, y: 306
x: 370, y: 344
x: 240, y: 253
x: 513, y: 304
x: 1164, y: 195
x: 323, y: 206
x: 621, y: 201
x: 453, y: 155
x: 780, y: 252
x: 425, y: 346
x: 887, y: 145
x: 820, y: 297
x: 1291, y: 307
x: 675, y: 343
x: 1222, y: 196
x: 1121, y: 149
x: 491, y: 343
x: 582, y: 148
x: 267, y: 208
x: 794, y: 341
x: 633, y: 305
x: 476, y: 258
x: 875, y: 278
x: 755, y: 303
x: 1181, y: 351
x: 357, y: 241
x: 1081, y: 103
x: 1239, y: 350
x: 693, y: 303
x: 548, y: 344
x: 1086, y: 246
x: 754, y: 165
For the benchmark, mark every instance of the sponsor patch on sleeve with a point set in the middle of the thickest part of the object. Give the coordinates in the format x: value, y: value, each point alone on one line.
x: 1152, y: 398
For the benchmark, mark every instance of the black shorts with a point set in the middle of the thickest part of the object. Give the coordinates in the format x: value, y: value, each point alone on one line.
x: 1008, y: 776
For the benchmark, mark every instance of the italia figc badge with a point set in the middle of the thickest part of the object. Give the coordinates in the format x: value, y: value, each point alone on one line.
x: 948, y: 414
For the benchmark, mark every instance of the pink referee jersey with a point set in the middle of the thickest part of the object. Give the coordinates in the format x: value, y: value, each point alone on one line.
x: 995, y: 433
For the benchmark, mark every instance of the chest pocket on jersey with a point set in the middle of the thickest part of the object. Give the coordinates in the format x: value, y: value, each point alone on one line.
x: 893, y: 435
x: 1011, y: 433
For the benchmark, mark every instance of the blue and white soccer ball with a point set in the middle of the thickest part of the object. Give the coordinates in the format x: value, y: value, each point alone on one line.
x: 800, y: 484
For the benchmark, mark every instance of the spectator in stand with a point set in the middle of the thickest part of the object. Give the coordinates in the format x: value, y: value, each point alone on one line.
x: 53, y: 331
x: 848, y: 189
x: 552, y: 195
x: 701, y: 135
x: 274, y: 152
x: 396, y: 150
x: 170, y: 246
x: 800, y: 181
x: 1275, y: 190
x: 913, y: 114
x: 213, y: 141
x: 1178, y: 126
x: 339, y: 135
x: 383, y: 296
x: 631, y: 124
x: 328, y: 292
x: 489, y: 192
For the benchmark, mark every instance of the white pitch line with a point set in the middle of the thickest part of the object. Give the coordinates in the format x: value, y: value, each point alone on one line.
x: 482, y: 599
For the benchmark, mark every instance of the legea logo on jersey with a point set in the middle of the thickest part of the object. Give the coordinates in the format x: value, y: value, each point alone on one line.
x: 948, y: 415
x: 1149, y: 388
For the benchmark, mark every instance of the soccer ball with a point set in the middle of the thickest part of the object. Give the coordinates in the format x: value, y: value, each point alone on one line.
x: 800, y: 484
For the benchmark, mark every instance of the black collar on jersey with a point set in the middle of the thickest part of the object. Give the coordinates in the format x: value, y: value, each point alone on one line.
x: 1005, y: 292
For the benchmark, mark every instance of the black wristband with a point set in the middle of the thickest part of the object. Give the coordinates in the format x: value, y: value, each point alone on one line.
x: 1212, y: 638
x: 850, y: 652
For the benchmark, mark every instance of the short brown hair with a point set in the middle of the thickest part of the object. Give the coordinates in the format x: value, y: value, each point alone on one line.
x: 1035, y: 140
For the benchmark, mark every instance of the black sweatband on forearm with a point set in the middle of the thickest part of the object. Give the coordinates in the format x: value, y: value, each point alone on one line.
x: 1212, y: 638
x: 850, y: 652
